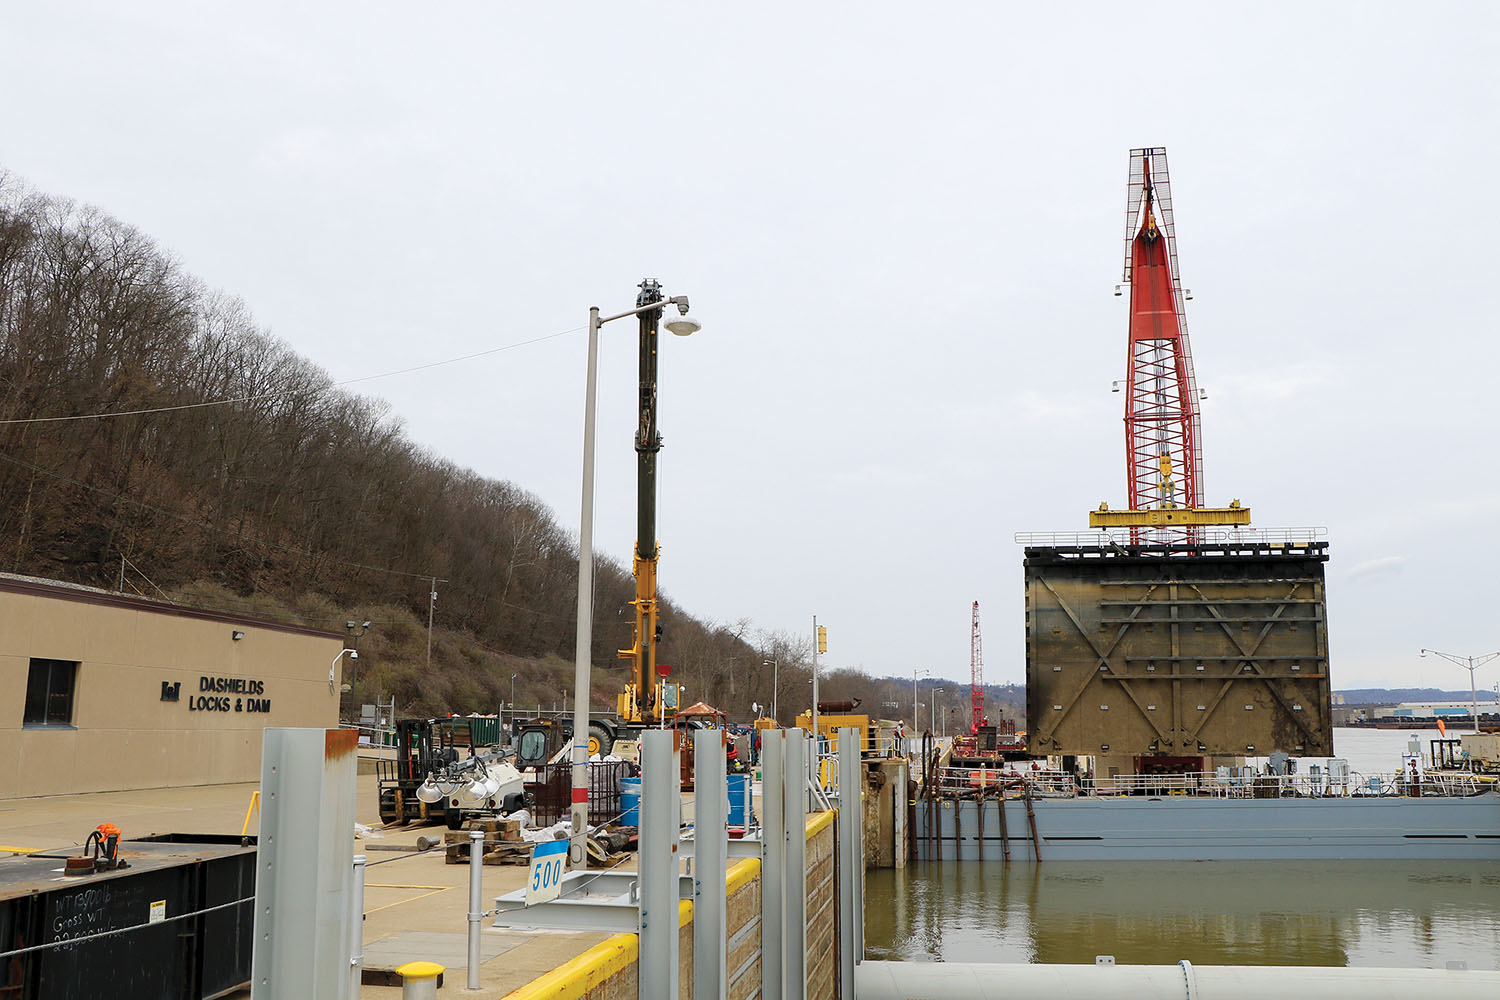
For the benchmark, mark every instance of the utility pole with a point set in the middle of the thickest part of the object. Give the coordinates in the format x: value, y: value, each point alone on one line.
x: 431, y: 603
x: 815, y: 679
x: 820, y: 645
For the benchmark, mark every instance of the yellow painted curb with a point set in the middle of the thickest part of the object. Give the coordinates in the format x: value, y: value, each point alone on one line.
x: 741, y: 874
x: 575, y: 978
x: 819, y: 822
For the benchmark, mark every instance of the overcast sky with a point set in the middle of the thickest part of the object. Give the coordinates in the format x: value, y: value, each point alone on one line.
x: 900, y: 226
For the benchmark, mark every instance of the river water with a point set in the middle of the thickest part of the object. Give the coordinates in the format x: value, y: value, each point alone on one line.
x: 1402, y: 914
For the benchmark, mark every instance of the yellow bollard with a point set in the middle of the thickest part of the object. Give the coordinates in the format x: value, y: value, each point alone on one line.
x: 419, y: 980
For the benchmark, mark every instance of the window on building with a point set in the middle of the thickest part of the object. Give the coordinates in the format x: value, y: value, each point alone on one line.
x: 49, y: 693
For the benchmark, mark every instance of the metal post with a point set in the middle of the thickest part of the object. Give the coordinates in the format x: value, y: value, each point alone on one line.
x: 1474, y: 692
x: 773, y: 865
x: 431, y: 605
x: 851, y: 865
x: 476, y: 903
x: 304, y: 867
x: 710, y: 865
x: 794, y: 870
x: 661, y: 795
x: 815, y: 679
x: 584, y: 641
x: 357, y: 928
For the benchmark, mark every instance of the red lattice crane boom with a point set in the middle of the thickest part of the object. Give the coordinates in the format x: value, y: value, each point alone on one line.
x: 976, y: 682
x: 1163, y: 435
x: 1163, y: 429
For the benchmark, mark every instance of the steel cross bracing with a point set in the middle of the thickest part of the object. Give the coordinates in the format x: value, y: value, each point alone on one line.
x: 1163, y: 434
x: 1284, y: 677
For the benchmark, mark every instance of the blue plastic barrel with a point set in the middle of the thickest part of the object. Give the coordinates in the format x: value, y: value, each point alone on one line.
x: 739, y: 798
x: 630, y: 801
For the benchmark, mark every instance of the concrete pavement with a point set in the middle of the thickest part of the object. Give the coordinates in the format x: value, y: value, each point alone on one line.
x: 415, y: 904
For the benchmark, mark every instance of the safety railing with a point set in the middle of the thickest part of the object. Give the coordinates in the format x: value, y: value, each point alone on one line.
x: 1205, y: 536
x: 966, y: 782
x: 553, y: 791
x: 372, y: 736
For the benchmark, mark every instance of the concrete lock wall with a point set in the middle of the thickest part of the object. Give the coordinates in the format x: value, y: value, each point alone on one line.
x: 162, y: 695
x: 608, y: 970
x: 822, y: 909
x: 885, y: 813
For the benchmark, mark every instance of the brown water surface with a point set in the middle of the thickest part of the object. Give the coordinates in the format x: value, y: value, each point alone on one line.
x: 1369, y: 914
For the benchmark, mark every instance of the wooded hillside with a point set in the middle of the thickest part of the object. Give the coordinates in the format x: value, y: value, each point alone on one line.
x: 235, y: 474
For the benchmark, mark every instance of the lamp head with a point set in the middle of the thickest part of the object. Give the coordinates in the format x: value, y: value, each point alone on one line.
x: 684, y: 325
x: 429, y: 792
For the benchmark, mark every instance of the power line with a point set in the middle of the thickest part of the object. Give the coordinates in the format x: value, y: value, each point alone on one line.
x: 293, y: 392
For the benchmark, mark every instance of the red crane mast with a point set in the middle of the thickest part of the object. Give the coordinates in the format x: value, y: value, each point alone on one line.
x: 1163, y: 435
x: 1163, y: 429
x: 976, y: 682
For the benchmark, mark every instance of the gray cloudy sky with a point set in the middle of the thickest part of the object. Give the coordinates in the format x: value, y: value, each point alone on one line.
x: 900, y: 226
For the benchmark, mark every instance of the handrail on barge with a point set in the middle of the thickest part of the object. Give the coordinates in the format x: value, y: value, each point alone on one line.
x: 977, y: 782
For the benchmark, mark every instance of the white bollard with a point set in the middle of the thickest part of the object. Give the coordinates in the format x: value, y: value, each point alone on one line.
x: 476, y: 902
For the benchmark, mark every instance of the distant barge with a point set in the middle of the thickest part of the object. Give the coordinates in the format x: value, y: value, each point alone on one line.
x: 1450, y: 821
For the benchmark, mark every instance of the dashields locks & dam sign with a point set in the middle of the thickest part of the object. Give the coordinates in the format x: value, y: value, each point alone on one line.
x: 221, y: 694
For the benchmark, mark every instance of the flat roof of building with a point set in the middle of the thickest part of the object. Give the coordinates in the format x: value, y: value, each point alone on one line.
x: 14, y: 583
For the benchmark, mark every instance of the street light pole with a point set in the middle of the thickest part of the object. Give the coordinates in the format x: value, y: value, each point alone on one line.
x: 915, y: 673
x: 584, y: 639
x: 775, y: 664
x: 1469, y: 663
x: 932, y: 709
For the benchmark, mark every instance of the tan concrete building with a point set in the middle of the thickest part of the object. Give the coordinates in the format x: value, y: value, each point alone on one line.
x: 102, y: 691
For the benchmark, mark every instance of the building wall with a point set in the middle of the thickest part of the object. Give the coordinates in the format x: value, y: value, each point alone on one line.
x: 123, y: 734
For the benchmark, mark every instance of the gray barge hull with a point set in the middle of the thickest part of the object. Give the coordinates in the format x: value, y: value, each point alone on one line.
x: 1182, y: 828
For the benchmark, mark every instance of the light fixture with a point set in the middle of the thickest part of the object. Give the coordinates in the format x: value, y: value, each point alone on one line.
x: 683, y: 326
x: 429, y: 792
x: 474, y: 791
x: 236, y: 635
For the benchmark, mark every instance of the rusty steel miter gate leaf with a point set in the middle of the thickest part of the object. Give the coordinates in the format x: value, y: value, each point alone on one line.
x: 1177, y: 650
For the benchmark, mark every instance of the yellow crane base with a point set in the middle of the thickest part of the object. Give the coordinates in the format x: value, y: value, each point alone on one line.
x: 1106, y: 518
